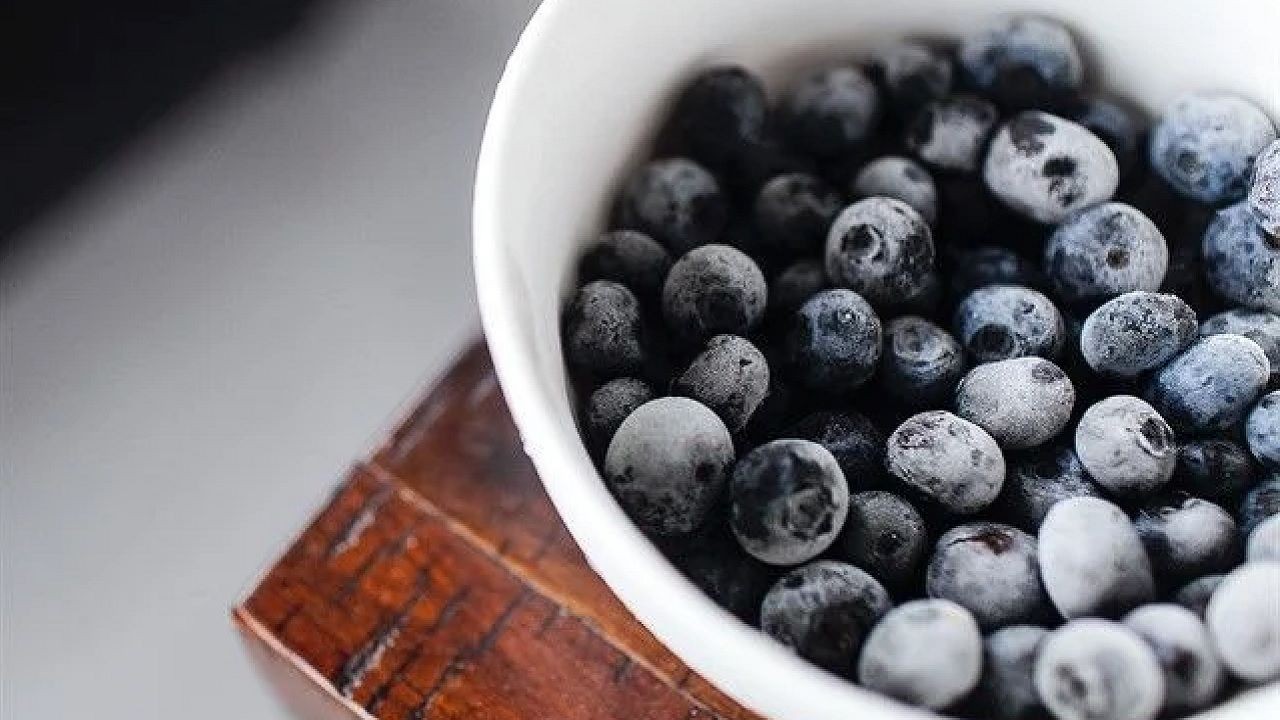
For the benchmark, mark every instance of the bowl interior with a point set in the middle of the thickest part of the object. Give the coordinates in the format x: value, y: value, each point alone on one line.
x: 577, y: 107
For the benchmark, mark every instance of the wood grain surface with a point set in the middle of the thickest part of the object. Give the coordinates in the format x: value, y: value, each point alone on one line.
x: 438, y: 582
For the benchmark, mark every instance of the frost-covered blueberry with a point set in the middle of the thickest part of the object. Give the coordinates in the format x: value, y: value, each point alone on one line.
x: 901, y: 179
x: 951, y: 134
x: 1023, y: 61
x: 998, y: 322
x: 970, y: 269
x: 1126, y: 446
x: 1007, y: 689
x: 1242, y: 263
x: 1187, y: 537
x: 857, y: 444
x: 834, y: 343
x: 714, y: 561
x: 1092, y: 669
x: 1091, y: 559
x: 1259, y: 326
x: 830, y: 112
x: 1045, y: 167
x: 1116, y: 125
x: 667, y: 464
x: 630, y: 258
x: 1205, y: 143
x: 1136, y: 332
x: 948, y: 459
x: 603, y: 332
x: 1264, y: 541
x: 920, y: 363
x: 991, y: 570
x: 1243, y: 621
x: 609, y: 405
x: 676, y: 202
x: 1214, y: 469
x: 885, y: 535
x: 881, y: 248
x: 1210, y: 386
x: 787, y: 501
x: 794, y: 211
x: 912, y: 74
x: 1264, y: 189
x: 1261, y: 502
x: 1022, y: 402
x: 713, y: 289
x: 1038, y: 481
x: 823, y: 611
x: 794, y: 285
x: 1104, y: 251
x: 892, y: 663
x: 1262, y: 430
x: 730, y: 376
x: 1195, y: 595
x: 722, y: 111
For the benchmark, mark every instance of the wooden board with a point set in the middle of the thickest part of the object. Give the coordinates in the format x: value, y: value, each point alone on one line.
x: 438, y: 582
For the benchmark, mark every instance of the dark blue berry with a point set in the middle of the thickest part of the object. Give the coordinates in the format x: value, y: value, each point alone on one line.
x: 787, y: 501
x: 722, y: 111
x: 1103, y: 252
x: 881, y: 248
x: 1195, y: 595
x: 998, y: 322
x: 920, y: 363
x: 630, y: 258
x: 1092, y: 669
x: 609, y: 405
x: 1264, y: 189
x: 991, y: 570
x: 834, y: 344
x: 730, y: 376
x: 950, y: 134
x: 795, y: 285
x: 794, y: 211
x: 857, y: 445
x: 1120, y: 127
x: 1210, y: 386
x: 823, y: 611
x: 1092, y: 561
x: 1007, y: 689
x: 948, y: 460
x: 602, y: 330
x: 1022, y: 402
x: 830, y: 112
x: 713, y: 289
x: 676, y: 202
x: 969, y: 269
x: 1126, y: 446
x: 1038, y: 481
x: 912, y: 74
x: 1259, y: 503
x: 1136, y: 332
x: 884, y: 535
x: 1215, y: 469
x: 1023, y: 61
x: 1186, y: 538
x: 1241, y: 262
x: 1262, y: 430
x: 1206, y: 142
x: 1259, y: 326
x: 892, y: 663
x: 714, y: 561
x: 901, y: 179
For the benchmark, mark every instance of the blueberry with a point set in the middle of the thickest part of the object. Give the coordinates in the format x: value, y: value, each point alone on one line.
x: 1242, y: 263
x: 1136, y: 332
x: 1264, y: 541
x: 1243, y: 621
x: 1044, y: 167
x: 609, y: 405
x: 948, y: 460
x: 1214, y: 469
x: 1007, y: 689
x: 675, y: 201
x: 920, y: 363
x: 991, y: 570
x: 1091, y: 559
x: 912, y: 74
x: 793, y: 212
x: 630, y: 258
x: 951, y: 134
x: 881, y: 248
x: 1116, y: 125
x: 794, y: 285
x: 1187, y: 537
x: 1258, y: 325
x: 885, y: 535
x: 998, y: 322
x: 730, y: 376
x: 722, y: 111
x: 713, y: 289
x: 788, y: 501
x: 834, y: 344
x: 823, y: 611
x: 901, y: 179
x: 892, y: 662
x: 1195, y: 595
x: 1038, y: 481
x: 715, y: 562
x: 602, y: 330
x: 1023, y: 61
x: 1262, y: 430
x: 830, y: 112
x: 1126, y: 446
x: 1261, y: 502
x: 1264, y: 190
x: 1209, y: 387
x: 1091, y: 669
x: 1104, y: 251
x: 667, y: 464
x: 984, y: 265
x: 1205, y: 144
x: 1023, y: 402
x: 858, y: 446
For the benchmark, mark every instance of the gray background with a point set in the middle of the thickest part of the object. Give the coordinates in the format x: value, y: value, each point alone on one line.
x: 202, y: 337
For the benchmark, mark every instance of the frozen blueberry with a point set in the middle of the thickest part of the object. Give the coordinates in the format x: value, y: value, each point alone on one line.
x: 991, y: 570
x: 730, y: 376
x: 630, y: 258
x: 858, y: 446
x: 998, y: 322
x: 1023, y: 61
x: 830, y: 112
x: 1187, y: 537
x: 1007, y: 689
x: 901, y: 179
x: 912, y: 74
x: 947, y: 459
x: 713, y: 289
x: 1023, y: 402
x: 1258, y: 325
x: 1262, y: 430
x: 885, y: 535
x: 1126, y: 446
x: 951, y: 134
x: 1205, y: 144
x: 1136, y: 332
x: 1116, y: 125
x: 892, y: 662
x: 984, y: 265
x: 1243, y: 621
x: 920, y: 363
x: 718, y: 114
x: 834, y: 344
x: 1261, y: 502
x: 714, y: 561
x: 1210, y: 386
x: 787, y: 501
x: 881, y: 248
x: 1104, y: 251
x: 1091, y: 559
x: 676, y: 202
x: 610, y: 404
x: 823, y: 611
x: 603, y: 332
x: 1242, y: 263
x: 667, y: 464
x: 793, y: 212
x: 1195, y: 595
x: 1045, y: 167
x: 1264, y: 190
x: 1091, y: 669
x: 1214, y: 469
x: 1264, y: 541
x: 794, y: 285
x: 1038, y: 481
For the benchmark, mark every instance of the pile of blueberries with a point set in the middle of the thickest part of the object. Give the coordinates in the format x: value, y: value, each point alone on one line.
x: 954, y: 378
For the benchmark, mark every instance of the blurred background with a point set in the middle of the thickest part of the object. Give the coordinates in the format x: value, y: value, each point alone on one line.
x: 235, y: 245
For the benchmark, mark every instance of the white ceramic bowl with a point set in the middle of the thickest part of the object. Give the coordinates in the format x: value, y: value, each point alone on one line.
x: 577, y: 107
